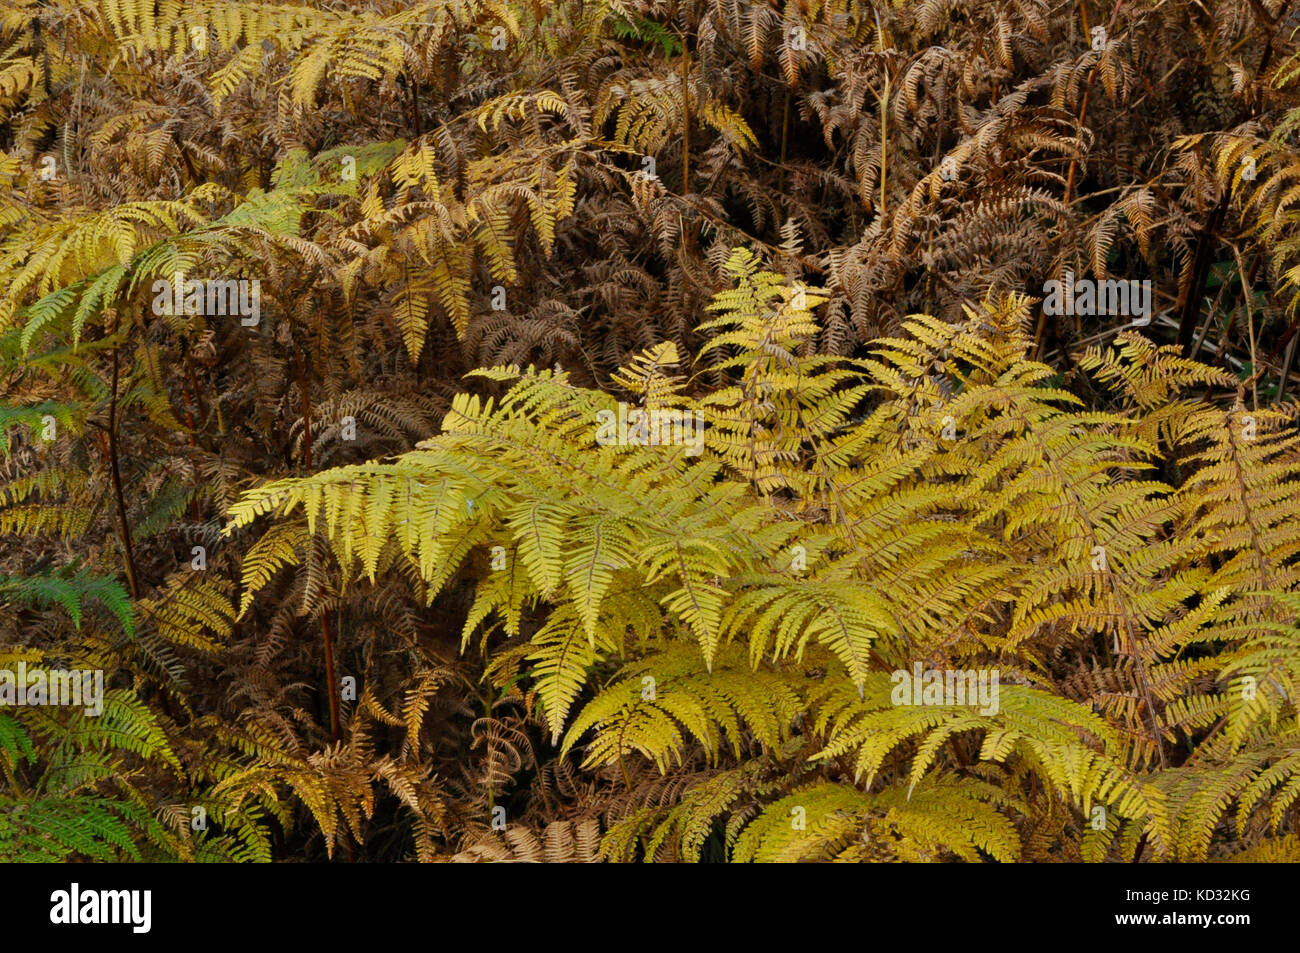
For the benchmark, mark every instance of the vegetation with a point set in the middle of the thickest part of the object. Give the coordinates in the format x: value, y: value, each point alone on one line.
x: 512, y: 430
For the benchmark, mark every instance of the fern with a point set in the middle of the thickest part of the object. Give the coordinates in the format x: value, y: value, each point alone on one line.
x: 638, y: 548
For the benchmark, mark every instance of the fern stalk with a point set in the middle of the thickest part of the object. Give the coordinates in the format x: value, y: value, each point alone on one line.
x: 128, y: 551
x: 686, y: 117
x: 336, y: 732
x: 884, y: 122
x: 785, y: 137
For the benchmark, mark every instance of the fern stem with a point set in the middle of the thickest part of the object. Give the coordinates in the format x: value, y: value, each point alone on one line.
x: 627, y: 779
x: 884, y: 121
x: 1286, y: 371
x: 1144, y: 684
x: 330, y: 681
x: 115, y: 471
x: 192, y: 405
x: 415, y: 107
x: 1190, y: 306
x: 1246, y: 284
x: 785, y: 135
x: 1087, y: 94
x: 686, y: 117
x: 335, y: 730
x: 1141, y: 846
x: 884, y: 146
x: 306, y: 411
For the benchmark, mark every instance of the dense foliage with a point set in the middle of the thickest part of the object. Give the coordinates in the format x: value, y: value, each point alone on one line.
x: 497, y: 429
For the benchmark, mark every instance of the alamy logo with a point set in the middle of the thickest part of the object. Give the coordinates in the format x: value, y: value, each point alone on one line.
x: 60, y: 687
x: 946, y: 687
x: 75, y: 906
x: 1088, y: 297
x: 209, y: 532
x: 651, y: 428
x: 212, y: 297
